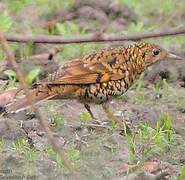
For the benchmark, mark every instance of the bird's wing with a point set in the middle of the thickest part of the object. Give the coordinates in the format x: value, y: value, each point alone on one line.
x: 94, y: 68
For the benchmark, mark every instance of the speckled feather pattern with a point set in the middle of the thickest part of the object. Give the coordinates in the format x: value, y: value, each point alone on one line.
x: 96, y: 77
x: 100, y: 76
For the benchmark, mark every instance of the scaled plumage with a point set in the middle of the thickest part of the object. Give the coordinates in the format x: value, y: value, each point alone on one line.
x: 96, y: 77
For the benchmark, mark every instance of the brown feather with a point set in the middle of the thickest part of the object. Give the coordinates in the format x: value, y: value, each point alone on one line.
x: 96, y: 77
x: 23, y: 103
x: 41, y: 93
x: 87, y: 71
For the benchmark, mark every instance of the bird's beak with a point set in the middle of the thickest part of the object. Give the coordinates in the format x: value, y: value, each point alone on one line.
x: 173, y: 56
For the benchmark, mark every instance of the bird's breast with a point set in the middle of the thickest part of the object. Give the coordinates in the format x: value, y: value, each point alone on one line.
x: 102, y: 92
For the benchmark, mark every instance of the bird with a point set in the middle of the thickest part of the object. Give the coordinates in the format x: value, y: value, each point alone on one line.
x: 97, y: 77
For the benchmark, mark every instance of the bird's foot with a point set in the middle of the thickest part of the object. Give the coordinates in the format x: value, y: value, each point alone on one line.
x: 87, y: 107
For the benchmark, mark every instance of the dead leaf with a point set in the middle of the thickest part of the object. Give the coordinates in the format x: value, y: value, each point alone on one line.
x: 150, y: 166
x: 7, y: 97
x: 126, y: 167
x: 49, y: 24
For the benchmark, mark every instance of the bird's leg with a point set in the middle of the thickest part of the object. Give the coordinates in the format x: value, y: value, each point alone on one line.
x: 111, y: 116
x: 89, y: 110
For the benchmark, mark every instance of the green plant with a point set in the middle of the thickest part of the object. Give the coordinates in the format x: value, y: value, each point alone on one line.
x: 30, y: 155
x: 6, y: 21
x: 67, y: 29
x: 162, y: 135
x: 56, y: 157
x: 84, y: 117
x: 179, y: 102
x: 163, y: 89
x: 135, y: 28
x: 25, y: 50
x: 33, y: 75
x: 141, y: 97
x: 158, y: 88
x: 144, y: 141
x: 146, y: 14
x: 18, y: 5
x: 130, y: 140
x: 72, y: 50
x: 168, y: 89
x: 113, y: 124
x: 73, y: 154
x: 138, y: 86
x: 20, y: 145
x: 181, y: 176
x: 57, y: 120
x: 55, y: 117
x: 164, y: 125
x: 11, y: 76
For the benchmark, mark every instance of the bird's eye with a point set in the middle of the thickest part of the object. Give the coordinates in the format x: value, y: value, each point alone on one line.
x: 155, y: 52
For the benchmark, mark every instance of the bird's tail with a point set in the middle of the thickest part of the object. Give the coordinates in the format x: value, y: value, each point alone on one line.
x: 37, y: 95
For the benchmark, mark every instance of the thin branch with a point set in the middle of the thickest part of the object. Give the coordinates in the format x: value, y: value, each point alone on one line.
x: 91, y: 37
x: 43, y: 123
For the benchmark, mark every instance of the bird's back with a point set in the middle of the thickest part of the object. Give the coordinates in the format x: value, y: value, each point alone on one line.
x: 96, y: 77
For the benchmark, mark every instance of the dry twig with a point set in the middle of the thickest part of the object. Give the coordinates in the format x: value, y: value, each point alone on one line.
x: 46, y: 56
x: 92, y: 37
x: 79, y: 125
x: 43, y: 123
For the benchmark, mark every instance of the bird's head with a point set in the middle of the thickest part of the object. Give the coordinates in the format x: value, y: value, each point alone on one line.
x: 153, y: 53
